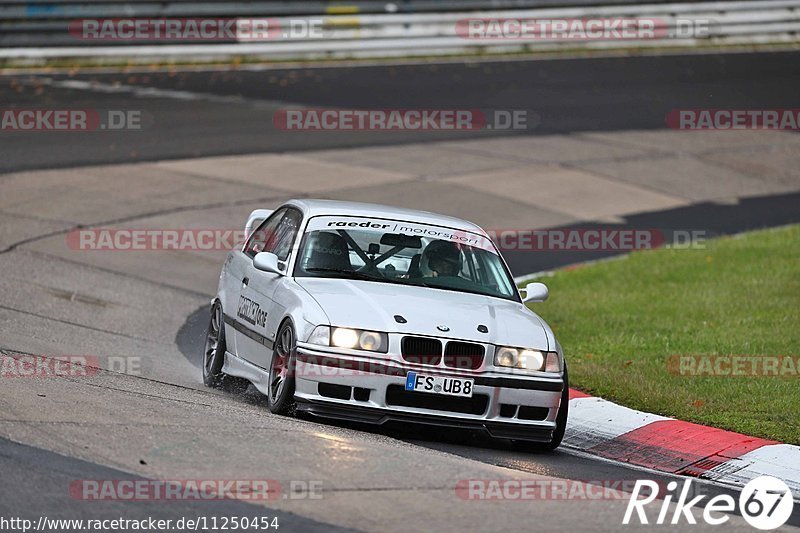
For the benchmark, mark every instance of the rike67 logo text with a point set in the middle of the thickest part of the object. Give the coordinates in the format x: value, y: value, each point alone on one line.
x: 765, y: 503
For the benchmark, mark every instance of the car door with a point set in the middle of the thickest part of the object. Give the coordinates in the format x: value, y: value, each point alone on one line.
x: 241, y: 314
x: 230, y: 289
x: 258, y: 312
x: 231, y: 276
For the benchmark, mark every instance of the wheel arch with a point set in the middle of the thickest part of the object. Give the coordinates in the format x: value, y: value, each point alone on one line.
x: 302, y: 309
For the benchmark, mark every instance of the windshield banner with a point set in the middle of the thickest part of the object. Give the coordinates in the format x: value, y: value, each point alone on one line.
x: 348, y: 223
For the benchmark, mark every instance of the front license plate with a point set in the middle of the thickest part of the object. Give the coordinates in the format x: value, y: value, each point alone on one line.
x: 439, y: 385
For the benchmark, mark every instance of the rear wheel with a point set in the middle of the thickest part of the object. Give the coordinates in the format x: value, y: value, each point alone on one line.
x: 214, y: 353
x: 558, y: 432
x: 280, y: 395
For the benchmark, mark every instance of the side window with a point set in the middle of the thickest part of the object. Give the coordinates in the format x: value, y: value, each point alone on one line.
x: 261, y: 238
x: 286, y: 231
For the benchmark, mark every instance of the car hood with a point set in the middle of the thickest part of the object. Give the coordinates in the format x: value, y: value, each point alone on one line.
x: 372, y: 305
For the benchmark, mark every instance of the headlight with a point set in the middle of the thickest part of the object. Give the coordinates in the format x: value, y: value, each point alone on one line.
x: 370, y: 340
x: 354, y: 339
x: 344, y: 338
x: 506, y: 357
x: 531, y: 359
x: 526, y: 359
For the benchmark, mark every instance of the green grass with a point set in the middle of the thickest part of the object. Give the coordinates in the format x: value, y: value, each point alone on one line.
x: 619, y: 322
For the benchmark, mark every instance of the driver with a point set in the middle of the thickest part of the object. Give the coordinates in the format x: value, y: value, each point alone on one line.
x: 442, y: 258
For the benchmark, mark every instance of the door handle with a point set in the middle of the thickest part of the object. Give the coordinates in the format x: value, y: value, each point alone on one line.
x: 245, y: 281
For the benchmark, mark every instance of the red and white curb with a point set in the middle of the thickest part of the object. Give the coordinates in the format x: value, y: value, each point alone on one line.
x: 608, y: 430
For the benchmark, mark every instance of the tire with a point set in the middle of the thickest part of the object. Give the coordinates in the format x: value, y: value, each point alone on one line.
x: 214, y: 353
x: 561, y: 425
x: 280, y: 392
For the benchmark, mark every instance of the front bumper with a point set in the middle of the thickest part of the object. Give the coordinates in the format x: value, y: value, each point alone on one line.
x: 332, y: 384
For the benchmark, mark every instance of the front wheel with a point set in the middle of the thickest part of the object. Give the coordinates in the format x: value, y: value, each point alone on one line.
x: 214, y: 353
x: 280, y: 395
x: 558, y: 432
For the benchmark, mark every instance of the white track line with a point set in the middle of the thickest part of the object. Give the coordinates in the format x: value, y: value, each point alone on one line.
x: 154, y: 92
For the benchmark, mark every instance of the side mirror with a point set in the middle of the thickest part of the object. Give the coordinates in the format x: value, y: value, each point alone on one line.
x: 267, y: 262
x: 534, y: 292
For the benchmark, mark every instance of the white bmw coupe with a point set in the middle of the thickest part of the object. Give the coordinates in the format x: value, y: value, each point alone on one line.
x: 374, y: 313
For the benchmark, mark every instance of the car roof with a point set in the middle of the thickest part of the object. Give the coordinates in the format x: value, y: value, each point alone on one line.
x: 315, y: 207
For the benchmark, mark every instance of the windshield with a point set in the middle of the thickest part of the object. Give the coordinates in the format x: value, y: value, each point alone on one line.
x: 386, y: 251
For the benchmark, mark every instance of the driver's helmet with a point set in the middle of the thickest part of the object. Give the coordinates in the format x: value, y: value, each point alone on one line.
x: 441, y: 256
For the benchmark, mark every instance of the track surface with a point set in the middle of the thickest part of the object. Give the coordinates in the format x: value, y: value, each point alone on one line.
x: 231, y: 112
x: 163, y: 424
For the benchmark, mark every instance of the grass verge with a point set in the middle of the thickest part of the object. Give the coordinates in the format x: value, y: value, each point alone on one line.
x: 620, y: 322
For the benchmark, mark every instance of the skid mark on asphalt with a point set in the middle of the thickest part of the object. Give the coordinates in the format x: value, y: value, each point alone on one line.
x: 139, y: 216
x: 75, y: 324
x: 126, y: 275
x: 11, y: 352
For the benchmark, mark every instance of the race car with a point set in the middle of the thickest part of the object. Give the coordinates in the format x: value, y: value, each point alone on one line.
x: 373, y: 313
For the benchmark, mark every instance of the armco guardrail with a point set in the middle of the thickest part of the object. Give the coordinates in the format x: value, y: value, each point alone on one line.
x: 36, y: 30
